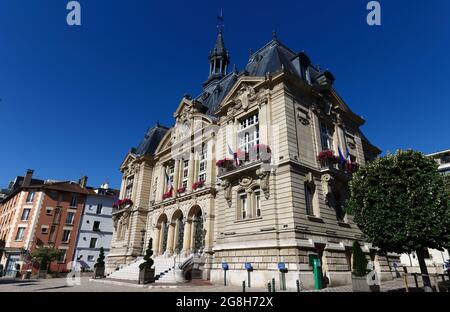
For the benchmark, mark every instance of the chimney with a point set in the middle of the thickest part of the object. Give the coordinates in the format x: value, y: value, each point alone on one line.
x: 83, y: 181
x: 27, y: 178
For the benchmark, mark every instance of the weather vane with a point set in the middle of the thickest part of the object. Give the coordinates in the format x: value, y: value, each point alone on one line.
x: 221, y: 24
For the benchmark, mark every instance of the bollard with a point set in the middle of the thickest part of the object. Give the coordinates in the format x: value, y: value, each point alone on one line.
x: 406, y: 283
x: 436, y: 282
x: 298, y: 285
x: 415, y: 280
x: 243, y: 286
x: 268, y: 287
x: 273, y: 285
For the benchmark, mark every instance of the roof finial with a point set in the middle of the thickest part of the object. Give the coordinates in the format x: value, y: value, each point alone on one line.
x: 221, y: 19
x: 274, y: 35
x: 157, y: 124
x: 250, y: 52
x: 235, y: 68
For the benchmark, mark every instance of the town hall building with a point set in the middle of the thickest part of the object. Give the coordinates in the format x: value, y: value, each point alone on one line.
x: 254, y: 170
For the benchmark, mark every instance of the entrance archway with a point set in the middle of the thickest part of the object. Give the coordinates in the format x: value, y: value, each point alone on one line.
x: 197, y: 234
x: 162, y: 226
x: 178, y: 237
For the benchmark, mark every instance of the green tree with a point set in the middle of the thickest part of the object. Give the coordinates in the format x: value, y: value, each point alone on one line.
x: 359, y: 261
x: 100, y: 260
x: 400, y: 204
x: 148, y: 263
x: 45, y: 255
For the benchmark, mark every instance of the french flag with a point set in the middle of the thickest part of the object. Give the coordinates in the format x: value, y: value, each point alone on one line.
x: 236, y: 159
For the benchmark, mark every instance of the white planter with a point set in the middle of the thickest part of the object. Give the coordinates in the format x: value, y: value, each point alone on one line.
x: 360, y: 284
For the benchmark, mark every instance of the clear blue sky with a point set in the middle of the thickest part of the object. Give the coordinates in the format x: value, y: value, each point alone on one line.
x: 75, y: 99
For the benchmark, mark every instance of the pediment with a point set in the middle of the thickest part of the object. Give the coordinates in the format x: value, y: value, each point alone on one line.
x: 166, y: 142
x: 130, y: 158
x: 241, y: 95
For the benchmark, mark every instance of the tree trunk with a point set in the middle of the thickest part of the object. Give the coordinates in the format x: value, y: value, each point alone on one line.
x: 423, y: 267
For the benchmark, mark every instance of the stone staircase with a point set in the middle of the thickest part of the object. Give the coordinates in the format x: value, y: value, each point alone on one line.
x: 164, y: 270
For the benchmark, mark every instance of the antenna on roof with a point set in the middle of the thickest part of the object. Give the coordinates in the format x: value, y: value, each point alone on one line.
x: 221, y: 24
x: 274, y: 35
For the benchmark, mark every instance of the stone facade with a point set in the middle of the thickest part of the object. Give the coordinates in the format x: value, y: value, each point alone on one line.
x: 253, y: 138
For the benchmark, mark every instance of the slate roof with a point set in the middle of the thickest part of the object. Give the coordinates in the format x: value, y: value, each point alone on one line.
x: 151, y: 140
x: 271, y: 58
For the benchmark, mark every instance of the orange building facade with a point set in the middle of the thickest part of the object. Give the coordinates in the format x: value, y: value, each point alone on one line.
x: 40, y: 213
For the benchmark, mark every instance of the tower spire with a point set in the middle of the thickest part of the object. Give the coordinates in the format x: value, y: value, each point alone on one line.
x: 218, y: 57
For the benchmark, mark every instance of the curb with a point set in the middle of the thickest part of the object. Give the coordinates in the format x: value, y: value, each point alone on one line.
x: 130, y: 284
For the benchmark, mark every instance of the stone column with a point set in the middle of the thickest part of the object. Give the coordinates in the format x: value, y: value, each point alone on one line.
x: 187, y: 237
x: 211, y: 164
x: 161, y: 238
x: 176, y: 175
x: 170, y: 237
x: 191, y: 171
x: 249, y: 203
x: 156, y: 235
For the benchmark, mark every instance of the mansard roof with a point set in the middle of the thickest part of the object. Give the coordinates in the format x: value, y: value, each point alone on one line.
x: 271, y: 58
x: 151, y: 140
x: 213, y: 94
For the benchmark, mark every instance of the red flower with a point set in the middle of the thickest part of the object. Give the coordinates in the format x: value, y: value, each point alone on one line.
x: 123, y: 202
x: 167, y: 194
x: 224, y: 162
x: 198, y: 184
x: 181, y: 190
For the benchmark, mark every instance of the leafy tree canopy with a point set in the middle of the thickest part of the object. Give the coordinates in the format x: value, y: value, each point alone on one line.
x: 400, y: 203
x: 45, y: 255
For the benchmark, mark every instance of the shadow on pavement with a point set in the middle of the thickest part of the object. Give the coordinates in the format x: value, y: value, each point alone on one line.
x: 15, y: 281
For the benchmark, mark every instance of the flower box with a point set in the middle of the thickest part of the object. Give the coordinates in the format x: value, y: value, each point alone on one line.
x: 121, y: 203
x: 167, y: 194
x: 198, y: 184
x: 181, y: 190
x: 224, y: 163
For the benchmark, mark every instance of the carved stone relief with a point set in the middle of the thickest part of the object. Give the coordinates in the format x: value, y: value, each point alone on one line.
x: 264, y: 183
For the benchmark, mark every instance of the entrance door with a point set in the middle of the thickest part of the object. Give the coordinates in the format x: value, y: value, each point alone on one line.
x: 11, y: 265
x: 199, y: 237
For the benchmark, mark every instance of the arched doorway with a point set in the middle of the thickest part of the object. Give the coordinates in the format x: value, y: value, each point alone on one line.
x: 163, y: 227
x: 177, y: 221
x: 197, y: 231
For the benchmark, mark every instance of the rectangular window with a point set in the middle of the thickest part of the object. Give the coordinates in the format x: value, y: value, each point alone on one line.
x: 30, y: 197
x: 20, y: 233
x: 309, y: 200
x: 44, y: 230
x: 66, y: 236
x: 25, y: 214
x: 258, y: 203
x: 73, y: 201
x: 185, y: 173
x: 243, y: 205
x: 203, y: 163
x: 93, y: 243
x: 99, y: 209
x: 70, y: 217
x: 62, y: 255
x: 249, y: 133
x: 129, y: 187
x: 90, y: 258
x: 96, y: 226
x: 326, y: 136
x: 48, y: 211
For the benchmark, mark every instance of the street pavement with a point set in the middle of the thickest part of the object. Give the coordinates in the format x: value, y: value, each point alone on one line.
x: 85, y: 284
